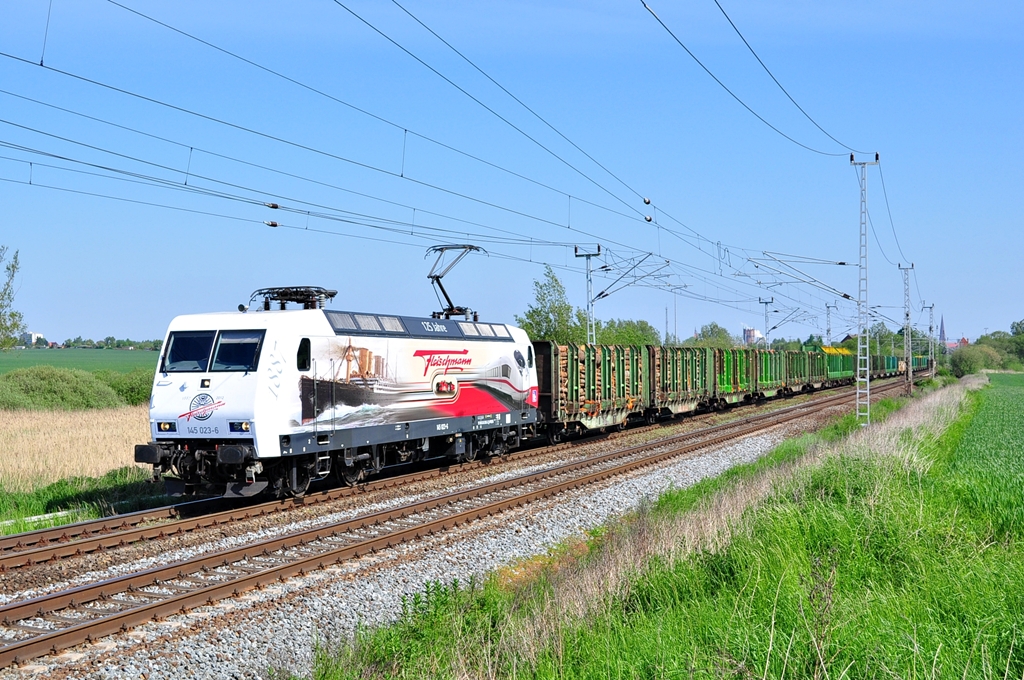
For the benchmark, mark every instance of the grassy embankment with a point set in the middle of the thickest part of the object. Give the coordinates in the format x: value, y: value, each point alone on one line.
x: 67, y: 438
x: 888, y: 552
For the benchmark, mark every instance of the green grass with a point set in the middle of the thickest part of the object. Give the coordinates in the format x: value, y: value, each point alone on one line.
x: 863, y: 566
x: 121, y: 361
x: 119, y: 491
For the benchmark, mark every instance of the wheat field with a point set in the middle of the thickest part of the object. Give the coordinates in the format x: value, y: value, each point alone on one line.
x: 41, y: 447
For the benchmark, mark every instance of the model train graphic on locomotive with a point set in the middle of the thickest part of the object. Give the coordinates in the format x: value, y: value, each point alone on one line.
x: 272, y: 400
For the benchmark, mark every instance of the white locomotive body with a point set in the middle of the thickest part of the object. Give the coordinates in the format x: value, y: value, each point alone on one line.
x: 274, y: 399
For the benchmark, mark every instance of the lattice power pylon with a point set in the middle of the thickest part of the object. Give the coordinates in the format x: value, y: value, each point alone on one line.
x: 591, y: 325
x: 863, y: 369
x: 931, y: 335
x: 908, y: 338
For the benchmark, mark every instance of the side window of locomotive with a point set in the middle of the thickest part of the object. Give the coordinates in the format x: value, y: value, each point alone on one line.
x: 302, y: 359
x: 529, y: 356
x: 188, y: 351
x: 237, y: 351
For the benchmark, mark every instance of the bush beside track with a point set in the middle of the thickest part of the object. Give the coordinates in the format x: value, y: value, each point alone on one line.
x: 894, y: 552
x: 49, y: 387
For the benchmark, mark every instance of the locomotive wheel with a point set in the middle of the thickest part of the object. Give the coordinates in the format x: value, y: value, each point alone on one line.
x: 299, y: 479
x: 350, y: 475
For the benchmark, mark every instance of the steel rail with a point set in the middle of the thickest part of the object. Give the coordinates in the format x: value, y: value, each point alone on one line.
x: 197, y: 581
x: 67, y: 532
x: 107, y: 533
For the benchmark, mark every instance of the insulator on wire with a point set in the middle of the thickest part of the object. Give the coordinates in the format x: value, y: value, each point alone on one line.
x: 270, y: 223
x: 648, y: 218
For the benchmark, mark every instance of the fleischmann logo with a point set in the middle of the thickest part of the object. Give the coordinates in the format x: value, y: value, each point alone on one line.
x: 445, y: 359
x: 202, y: 407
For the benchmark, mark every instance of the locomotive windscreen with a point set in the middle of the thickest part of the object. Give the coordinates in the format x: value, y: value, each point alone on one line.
x: 237, y: 351
x: 188, y: 351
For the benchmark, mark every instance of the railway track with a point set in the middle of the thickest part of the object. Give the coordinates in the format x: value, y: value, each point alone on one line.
x: 49, y: 623
x: 74, y: 540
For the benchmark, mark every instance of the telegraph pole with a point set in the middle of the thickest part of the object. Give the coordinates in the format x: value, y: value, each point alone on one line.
x: 591, y: 329
x: 908, y: 345
x: 769, y: 301
x: 863, y: 349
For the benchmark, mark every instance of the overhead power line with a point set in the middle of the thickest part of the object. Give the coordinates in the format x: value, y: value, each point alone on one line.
x: 885, y: 194
x: 726, y: 88
x: 776, y: 80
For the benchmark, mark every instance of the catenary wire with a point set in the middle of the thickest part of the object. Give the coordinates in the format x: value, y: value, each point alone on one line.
x: 487, y: 108
x: 470, y: 198
x: 517, y: 99
x: 194, y: 189
x: 264, y: 193
x: 361, y: 110
x: 287, y: 142
x: 374, y: 168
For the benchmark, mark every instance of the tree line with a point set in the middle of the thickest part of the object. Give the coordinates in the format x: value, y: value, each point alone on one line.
x: 996, y: 350
x: 552, y: 317
x: 110, y: 342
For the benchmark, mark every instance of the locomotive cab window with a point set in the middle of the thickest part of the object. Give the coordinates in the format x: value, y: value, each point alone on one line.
x: 529, y: 356
x: 302, y: 359
x: 188, y: 351
x: 237, y: 351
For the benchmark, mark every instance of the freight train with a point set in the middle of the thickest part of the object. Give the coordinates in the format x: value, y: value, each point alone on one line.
x: 272, y: 400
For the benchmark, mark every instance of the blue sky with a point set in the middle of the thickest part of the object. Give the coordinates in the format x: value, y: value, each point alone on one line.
x: 171, y: 221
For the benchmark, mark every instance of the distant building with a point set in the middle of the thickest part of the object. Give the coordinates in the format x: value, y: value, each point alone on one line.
x: 751, y: 336
x: 28, y: 339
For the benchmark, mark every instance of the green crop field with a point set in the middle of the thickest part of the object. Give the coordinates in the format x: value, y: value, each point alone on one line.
x: 119, y: 360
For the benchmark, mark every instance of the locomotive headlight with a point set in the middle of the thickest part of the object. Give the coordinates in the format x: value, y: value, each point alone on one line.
x: 242, y: 426
x: 167, y: 427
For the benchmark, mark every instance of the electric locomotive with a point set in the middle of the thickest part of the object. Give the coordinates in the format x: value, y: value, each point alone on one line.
x: 271, y: 400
